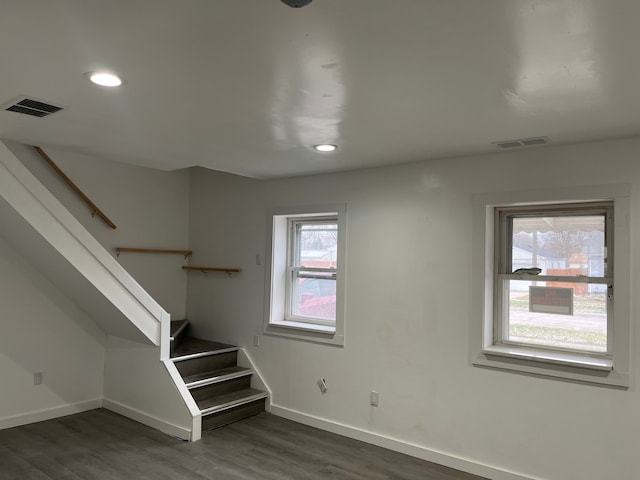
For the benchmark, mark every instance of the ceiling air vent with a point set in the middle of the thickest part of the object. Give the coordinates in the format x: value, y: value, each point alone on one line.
x: 28, y: 106
x: 522, y: 142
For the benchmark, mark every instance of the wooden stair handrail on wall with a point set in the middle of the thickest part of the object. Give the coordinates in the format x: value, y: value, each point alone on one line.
x: 228, y: 271
x: 94, y: 209
x: 120, y: 250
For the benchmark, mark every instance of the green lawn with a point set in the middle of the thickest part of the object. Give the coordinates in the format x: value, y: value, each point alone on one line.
x: 557, y: 336
x: 550, y: 335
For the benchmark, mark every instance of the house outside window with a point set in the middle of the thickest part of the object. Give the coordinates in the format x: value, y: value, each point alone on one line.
x: 305, y: 284
x: 551, y: 270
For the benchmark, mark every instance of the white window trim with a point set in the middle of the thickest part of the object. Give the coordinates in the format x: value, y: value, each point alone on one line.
x: 276, y: 272
x: 560, y: 365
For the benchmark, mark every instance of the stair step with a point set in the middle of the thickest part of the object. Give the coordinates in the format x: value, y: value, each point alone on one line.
x: 227, y: 401
x: 177, y: 327
x: 210, y: 370
x: 234, y: 414
x: 210, y: 363
x: 195, y: 347
x: 216, y: 376
x: 214, y: 390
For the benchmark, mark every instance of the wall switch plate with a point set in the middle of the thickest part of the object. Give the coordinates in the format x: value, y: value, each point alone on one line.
x: 37, y: 378
x: 322, y: 385
x: 256, y: 340
x: 258, y: 259
x: 373, y: 398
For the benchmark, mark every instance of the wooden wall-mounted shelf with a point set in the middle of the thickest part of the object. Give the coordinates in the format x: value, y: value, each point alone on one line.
x: 120, y: 250
x: 205, y: 270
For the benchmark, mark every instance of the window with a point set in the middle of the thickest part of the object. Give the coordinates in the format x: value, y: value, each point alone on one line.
x: 305, y: 279
x: 312, y: 269
x: 554, y: 278
x: 555, y: 285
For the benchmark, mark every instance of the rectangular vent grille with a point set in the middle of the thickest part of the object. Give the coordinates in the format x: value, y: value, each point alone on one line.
x: 522, y: 142
x: 31, y: 107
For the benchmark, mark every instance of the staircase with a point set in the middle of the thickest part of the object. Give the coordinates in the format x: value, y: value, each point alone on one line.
x: 221, y: 389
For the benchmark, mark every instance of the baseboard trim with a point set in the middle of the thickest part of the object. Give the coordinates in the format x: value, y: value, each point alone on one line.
x: 49, y: 413
x: 146, y: 419
x: 394, y: 444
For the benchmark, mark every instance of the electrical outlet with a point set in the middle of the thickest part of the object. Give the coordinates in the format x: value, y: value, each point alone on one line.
x: 256, y: 340
x: 373, y: 398
x: 37, y: 378
x: 322, y: 385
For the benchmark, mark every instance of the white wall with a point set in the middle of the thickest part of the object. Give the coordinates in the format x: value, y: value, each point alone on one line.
x: 226, y: 229
x: 408, y: 311
x: 42, y: 331
x: 148, y: 206
x: 135, y: 381
x: 137, y: 384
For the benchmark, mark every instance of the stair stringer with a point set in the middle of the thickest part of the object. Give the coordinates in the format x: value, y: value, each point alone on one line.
x: 44, y: 231
x: 194, y: 411
x: 192, y: 407
x: 62, y: 237
x: 257, y: 379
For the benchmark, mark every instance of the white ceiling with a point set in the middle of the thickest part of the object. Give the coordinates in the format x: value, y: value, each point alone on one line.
x: 247, y: 86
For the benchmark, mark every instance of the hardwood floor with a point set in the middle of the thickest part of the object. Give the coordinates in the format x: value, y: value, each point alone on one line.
x: 103, y: 445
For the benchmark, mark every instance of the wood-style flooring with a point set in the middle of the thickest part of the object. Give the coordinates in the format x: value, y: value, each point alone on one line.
x: 103, y: 445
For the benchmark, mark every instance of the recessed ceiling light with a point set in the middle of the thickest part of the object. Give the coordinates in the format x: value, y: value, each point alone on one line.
x: 104, y: 79
x: 325, y: 147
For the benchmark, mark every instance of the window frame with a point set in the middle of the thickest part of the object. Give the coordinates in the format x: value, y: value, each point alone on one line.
x: 278, y: 255
x: 293, y: 267
x: 612, y: 369
x: 503, y: 267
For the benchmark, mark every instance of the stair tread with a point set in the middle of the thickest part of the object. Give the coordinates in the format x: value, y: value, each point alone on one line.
x: 176, y: 325
x: 220, y: 400
x: 191, y: 345
x: 215, y: 373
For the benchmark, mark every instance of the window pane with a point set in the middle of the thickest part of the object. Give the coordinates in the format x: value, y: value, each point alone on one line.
x: 317, y: 245
x: 584, y: 330
x: 315, y: 296
x: 561, y: 245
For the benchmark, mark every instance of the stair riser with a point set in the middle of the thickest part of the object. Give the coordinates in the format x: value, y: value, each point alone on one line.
x: 207, y: 364
x: 221, y: 388
x: 232, y: 415
x: 207, y: 378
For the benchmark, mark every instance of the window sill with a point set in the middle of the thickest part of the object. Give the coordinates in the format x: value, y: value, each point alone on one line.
x: 558, y: 358
x: 560, y: 365
x: 307, y: 327
x: 305, y: 331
